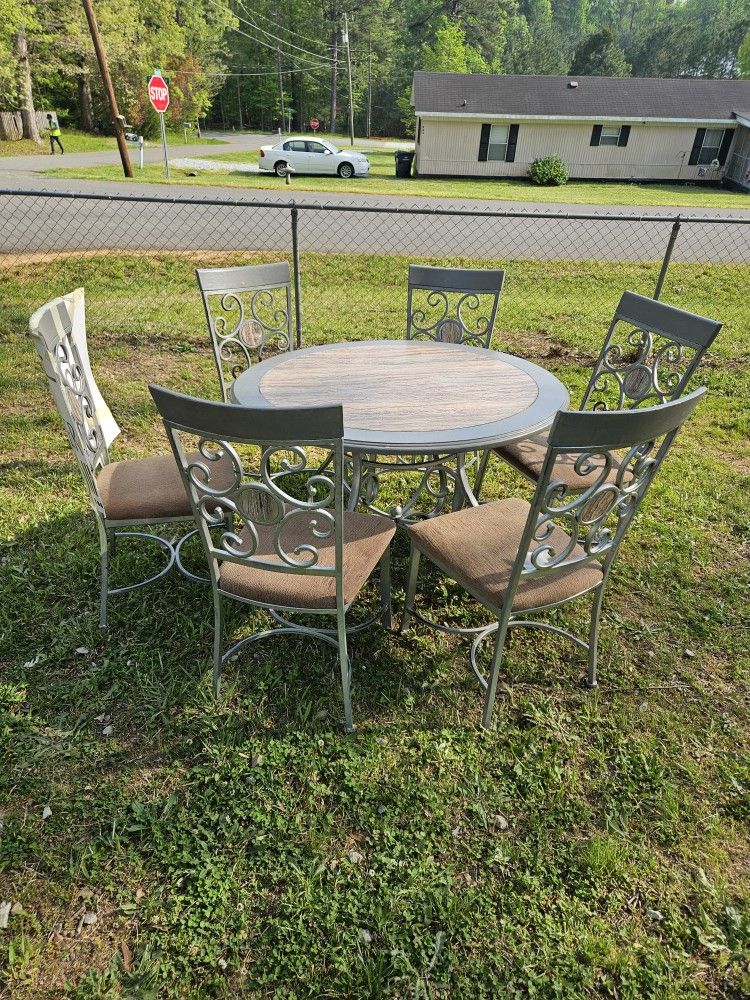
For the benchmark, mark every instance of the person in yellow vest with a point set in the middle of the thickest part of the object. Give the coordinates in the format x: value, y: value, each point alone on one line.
x: 53, y: 127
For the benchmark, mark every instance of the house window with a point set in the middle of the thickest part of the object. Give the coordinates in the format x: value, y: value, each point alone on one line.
x: 498, y: 146
x: 498, y: 142
x: 709, y: 150
x: 610, y: 135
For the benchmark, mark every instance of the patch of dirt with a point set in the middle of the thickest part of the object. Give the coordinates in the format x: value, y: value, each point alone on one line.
x: 541, y: 345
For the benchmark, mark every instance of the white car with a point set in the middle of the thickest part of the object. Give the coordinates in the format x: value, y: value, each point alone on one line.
x: 313, y: 156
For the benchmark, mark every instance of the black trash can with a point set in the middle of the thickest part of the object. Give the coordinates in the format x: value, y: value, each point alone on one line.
x: 403, y: 163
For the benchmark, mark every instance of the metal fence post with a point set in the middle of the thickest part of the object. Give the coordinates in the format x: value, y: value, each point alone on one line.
x: 297, y: 279
x: 667, y: 258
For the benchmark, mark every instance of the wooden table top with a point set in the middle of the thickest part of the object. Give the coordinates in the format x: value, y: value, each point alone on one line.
x: 403, y: 396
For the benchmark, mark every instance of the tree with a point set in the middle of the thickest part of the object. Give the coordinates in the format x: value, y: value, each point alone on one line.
x: 450, y: 53
x: 743, y: 58
x: 23, y: 87
x: 599, y: 55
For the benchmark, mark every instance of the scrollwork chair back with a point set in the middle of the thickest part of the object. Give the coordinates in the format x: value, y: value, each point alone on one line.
x: 276, y: 507
x: 616, y: 454
x: 58, y: 332
x: 649, y: 355
x: 249, y: 315
x: 453, y: 305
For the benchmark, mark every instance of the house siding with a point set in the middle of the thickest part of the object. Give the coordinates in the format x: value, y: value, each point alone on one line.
x: 654, y: 151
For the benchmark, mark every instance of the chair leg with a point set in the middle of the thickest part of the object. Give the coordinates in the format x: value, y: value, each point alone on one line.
x: 591, y: 679
x: 481, y: 472
x: 218, y: 630
x: 385, y: 590
x: 344, y: 663
x: 411, y: 588
x: 105, y: 536
x: 489, y: 698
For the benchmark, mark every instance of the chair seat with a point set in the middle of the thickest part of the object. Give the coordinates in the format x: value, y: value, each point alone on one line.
x: 151, y: 488
x: 366, y: 537
x: 477, y: 548
x: 528, y: 456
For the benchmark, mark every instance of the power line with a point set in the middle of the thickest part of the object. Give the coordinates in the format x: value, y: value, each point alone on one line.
x: 275, y: 48
x: 228, y: 73
x: 277, y: 38
x: 289, y: 31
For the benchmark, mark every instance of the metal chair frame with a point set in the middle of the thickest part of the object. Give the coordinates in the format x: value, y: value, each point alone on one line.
x: 58, y: 331
x: 254, y: 314
x: 653, y: 363
x: 453, y: 294
x: 258, y: 498
x: 596, y: 519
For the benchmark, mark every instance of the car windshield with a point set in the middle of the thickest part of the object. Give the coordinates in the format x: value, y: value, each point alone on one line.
x: 333, y: 149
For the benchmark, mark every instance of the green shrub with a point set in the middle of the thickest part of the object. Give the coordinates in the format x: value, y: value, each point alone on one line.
x: 548, y: 170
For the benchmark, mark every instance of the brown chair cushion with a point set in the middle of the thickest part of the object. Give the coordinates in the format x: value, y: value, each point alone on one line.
x: 142, y: 488
x: 366, y: 537
x: 528, y: 457
x: 477, y: 547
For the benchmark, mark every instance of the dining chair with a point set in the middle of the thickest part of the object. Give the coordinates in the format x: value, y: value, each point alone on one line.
x: 444, y: 305
x: 453, y: 305
x: 128, y: 495
x: 249, y: 315
x: 276, y: 534
x: 648, y: 357
x: 518, y: 559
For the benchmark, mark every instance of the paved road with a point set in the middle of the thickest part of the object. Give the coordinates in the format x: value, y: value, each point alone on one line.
x: 16, y: 167
x: 31, y: 224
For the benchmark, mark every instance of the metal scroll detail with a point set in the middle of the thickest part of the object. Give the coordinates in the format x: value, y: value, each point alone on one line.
x: 272, y: 515
x: 79, y: 416
x: 594, y: 518
x: 458, y: 318
x: 430, y: 484
x: 249, y: 327
x: 638, y: 367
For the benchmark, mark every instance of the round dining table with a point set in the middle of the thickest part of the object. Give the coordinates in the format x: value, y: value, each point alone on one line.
x: 411, y: 404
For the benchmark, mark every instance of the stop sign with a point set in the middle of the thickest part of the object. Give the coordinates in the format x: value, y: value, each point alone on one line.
x: 158, y: 93
x: 314, y: 124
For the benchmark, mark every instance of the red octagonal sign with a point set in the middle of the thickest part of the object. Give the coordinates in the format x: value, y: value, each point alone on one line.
x: 158, y: 93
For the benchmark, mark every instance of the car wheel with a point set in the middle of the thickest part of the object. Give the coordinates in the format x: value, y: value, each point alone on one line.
x: 280, y: 168
x: 346, y: 170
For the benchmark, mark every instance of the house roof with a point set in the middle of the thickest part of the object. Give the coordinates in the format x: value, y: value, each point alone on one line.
x: 602, y: 97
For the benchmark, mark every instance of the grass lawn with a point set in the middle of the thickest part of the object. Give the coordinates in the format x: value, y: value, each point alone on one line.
x: 593, y: 844
x: 76, y: 141
x: 382, y: 181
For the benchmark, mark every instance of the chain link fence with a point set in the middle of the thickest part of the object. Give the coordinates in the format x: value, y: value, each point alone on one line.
x: 136, y: 256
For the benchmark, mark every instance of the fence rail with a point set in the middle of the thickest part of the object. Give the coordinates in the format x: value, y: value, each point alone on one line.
x: 135, y: 254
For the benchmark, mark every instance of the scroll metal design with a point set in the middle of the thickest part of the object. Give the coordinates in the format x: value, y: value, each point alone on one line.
x: 272, y: 515
x: 458, y: 318
x: 594, y: 519
x: 638, y: 366
x: 74, y: 401
x: 249, y: 327
x: 440, y: 478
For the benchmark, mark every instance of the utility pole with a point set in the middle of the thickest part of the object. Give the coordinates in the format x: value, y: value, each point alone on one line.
x: 101, y: 58
x: 334, y: 65
x: 239, y: 102
x: 349, y: 67
x: 368, y: 125
x: 281, y: 89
